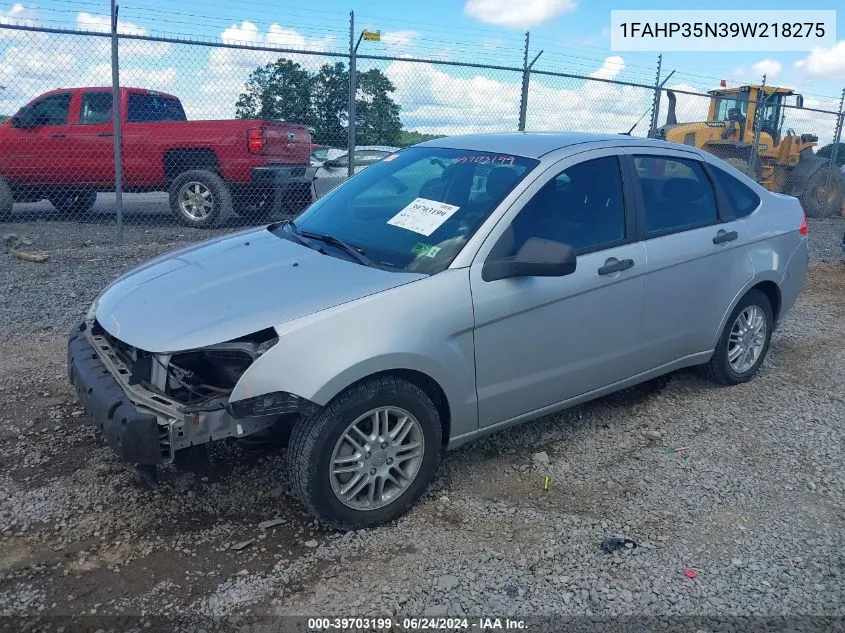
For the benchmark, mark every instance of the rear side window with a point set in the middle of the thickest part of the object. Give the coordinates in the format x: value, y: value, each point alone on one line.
x: 677, y: 194
x: 146, y: 108
x: 742, y: 199
x: 96, y: 108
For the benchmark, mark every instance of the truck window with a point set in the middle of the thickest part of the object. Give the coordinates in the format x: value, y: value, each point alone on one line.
x: 52, y: 110
x: 96, y: 108
x: 145, y: 108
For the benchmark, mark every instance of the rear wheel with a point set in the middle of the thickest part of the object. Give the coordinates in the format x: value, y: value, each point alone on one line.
x: 7, y: 198
x: 744, y: 342
x: 200, y: 198
x: 368, y: 455
x: 823, y: 198
x: 73, y: 203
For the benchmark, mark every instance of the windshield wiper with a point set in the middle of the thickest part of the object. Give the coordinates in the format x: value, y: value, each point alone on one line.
x: 357, y: 253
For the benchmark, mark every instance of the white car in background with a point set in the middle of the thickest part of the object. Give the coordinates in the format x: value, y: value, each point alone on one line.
x: 333, y: 164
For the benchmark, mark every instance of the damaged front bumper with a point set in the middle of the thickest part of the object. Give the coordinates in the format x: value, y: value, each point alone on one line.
x: 147, y: 427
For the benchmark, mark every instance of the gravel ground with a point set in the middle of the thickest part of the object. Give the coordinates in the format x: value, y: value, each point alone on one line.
x: 754, y: 503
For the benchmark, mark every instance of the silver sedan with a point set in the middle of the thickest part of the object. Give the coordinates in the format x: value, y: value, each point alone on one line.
x: 450, y: 290
x: 333, y: 164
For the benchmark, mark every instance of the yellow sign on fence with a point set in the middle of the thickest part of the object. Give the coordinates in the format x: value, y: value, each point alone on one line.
x: 372, y: 36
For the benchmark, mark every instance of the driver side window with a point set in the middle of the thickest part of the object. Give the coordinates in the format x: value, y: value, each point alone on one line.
x: 582, y: 206
x: 52, y: 110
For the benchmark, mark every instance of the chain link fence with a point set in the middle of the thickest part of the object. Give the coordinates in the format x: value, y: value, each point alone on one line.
x: 219, y: 134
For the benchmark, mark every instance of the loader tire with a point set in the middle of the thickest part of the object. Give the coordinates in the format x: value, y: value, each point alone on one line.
x: 823, y: 199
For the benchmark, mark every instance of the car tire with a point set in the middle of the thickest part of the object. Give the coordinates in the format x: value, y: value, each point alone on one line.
x: 734, y: 344
x: 73, y: 203
x: 200, y: 198
x: 321, y: 440
x: 7, y: 199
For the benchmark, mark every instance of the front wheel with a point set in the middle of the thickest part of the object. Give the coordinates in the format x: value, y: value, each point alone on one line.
x: 744, y: 342
x: 73, y: 203
x: 200, y: 198
x: 368, y: 455
x: 822, y: 198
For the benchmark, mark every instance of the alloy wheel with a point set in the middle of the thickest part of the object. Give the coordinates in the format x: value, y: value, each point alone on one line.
x: 376, y: 458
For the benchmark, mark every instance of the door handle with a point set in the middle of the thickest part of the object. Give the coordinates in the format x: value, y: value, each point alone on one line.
x: 105, y: 134
x: 725, y: 236
x: 615, y: 266
x: 58, y: 135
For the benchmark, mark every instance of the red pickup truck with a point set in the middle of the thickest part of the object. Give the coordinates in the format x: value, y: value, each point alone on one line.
x: 60, y: 147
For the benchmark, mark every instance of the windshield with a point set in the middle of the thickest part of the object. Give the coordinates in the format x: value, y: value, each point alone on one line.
x: 414, y: 210
x: 737, y: 101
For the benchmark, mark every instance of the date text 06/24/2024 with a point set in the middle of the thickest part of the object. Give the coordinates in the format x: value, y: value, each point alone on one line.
x: 417, y: 624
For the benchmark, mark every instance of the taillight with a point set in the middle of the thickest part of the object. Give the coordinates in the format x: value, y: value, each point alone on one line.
x: 803, y: 228
x: 255, y: 140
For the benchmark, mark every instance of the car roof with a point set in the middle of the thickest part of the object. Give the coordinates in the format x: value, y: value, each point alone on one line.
x: 538, y: 144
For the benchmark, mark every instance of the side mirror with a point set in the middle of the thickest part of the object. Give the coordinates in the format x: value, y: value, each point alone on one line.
x: 537, y: 258
x: 799, y: 101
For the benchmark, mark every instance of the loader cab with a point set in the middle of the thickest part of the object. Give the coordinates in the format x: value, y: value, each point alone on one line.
x: 741, y: 105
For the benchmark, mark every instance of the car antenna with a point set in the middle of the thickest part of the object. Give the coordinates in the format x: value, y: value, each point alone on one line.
x: 628, y: 133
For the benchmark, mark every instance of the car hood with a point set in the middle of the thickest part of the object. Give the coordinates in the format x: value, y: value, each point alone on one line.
x: 230, y: 287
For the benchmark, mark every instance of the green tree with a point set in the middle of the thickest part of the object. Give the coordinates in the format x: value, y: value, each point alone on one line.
x: 330, y: 104
x: 377, y: 121
x: 412, y: 137
x: 285, y: 91
x: 827, y: 152
x: 280, y: 91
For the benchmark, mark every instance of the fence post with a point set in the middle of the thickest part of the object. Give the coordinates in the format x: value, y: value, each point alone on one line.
x: 837, y: 138
x: 523, y: 101
x: 115, y: 105
x: 353, y: 89
x: 655, y: 106
x: 755, y: 145
x: 526, y: 80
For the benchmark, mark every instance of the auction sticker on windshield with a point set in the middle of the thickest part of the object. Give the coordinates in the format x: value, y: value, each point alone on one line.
x: 423, y: 216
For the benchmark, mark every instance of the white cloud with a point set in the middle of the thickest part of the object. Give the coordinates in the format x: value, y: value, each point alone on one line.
x: 162, y: 79
x: 826, y: 63
x: 18, y: 14
x: 436, y: 99
x: 102, y: 24
x: 222, y: 79
x: 769, y: 67
x: 101, y: 46
x: 400, y: 39
x: 611, y: 67
x: 517, y: 14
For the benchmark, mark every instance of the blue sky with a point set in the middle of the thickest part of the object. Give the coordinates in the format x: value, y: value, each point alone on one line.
x: 572, y: 33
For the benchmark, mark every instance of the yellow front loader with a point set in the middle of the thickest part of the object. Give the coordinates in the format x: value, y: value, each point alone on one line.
x: 785, y: 163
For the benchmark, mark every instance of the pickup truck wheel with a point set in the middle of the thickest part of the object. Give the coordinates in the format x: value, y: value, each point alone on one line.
x: 73, y: 203
x: 200, y: 198
x: 367, y: 456
x: 7, y: 198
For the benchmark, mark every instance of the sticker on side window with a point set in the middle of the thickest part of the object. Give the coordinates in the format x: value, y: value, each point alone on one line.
x: 423, y: 216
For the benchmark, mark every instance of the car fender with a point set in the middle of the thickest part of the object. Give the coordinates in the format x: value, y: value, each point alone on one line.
x: 425, y: 326
x: 767, y: 266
